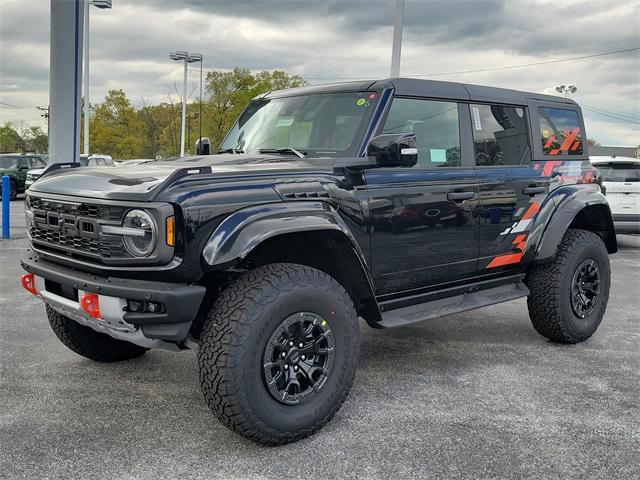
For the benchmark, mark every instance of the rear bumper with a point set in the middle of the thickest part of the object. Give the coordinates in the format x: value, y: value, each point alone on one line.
x: 626, y: 223
x: 61, y: 287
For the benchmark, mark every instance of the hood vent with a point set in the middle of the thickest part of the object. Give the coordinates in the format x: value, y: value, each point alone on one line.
x: 301, y: 190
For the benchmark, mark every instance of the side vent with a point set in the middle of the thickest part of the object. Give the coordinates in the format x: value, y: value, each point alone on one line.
x: 301, y: 190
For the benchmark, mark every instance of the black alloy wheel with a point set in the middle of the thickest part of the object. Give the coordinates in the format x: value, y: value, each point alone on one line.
x: 585, y: 288
x: 298, y: 358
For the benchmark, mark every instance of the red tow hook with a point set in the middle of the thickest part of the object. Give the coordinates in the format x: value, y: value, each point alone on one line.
x: 29, y: 283
x: 90, y: 303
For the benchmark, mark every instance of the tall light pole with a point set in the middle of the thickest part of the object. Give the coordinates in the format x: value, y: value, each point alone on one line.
x: 566, y: 89
x: 99, y: 4
x: 397, y: 39
x: 197, y: 57
x: 181, y: 55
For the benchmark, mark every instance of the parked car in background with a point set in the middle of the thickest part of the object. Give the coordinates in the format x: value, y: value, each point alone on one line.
x: 16, y: 166
x: 621, y: 178
x: 85, y: 161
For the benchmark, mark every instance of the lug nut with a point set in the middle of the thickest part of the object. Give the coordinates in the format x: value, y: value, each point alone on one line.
x: 291, y: 344
x: 301, y: 345
x: 283, y: 354
x: 303, y: 357
x: 295, y: 368
x: 286, y: 367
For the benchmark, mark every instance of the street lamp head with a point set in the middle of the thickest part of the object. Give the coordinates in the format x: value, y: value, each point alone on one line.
x: 194, y: 57
x: 179, y: 55
x: 100, y: 3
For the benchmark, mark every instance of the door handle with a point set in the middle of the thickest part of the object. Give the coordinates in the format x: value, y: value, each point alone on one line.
x: 459, y: 196
x: 533, y: 190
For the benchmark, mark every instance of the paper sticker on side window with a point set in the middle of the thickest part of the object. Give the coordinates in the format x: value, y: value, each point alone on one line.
x: 476, y: 118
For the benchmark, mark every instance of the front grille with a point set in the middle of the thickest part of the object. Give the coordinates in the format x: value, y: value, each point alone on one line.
x: 74, y: 228
x: 104, y: 212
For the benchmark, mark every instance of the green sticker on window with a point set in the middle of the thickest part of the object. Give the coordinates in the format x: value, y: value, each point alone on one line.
x: 360, y: 102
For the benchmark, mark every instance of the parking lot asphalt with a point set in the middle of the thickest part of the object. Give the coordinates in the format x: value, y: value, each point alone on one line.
x: 475, y: 395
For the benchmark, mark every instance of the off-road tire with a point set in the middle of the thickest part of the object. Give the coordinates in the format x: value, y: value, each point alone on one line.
x: 89, y: 343
x: 235, y: 335
x: 549, y: 302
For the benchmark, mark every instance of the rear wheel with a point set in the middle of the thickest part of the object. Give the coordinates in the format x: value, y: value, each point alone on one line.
x: 89, y: 343
x: 278, y: 353
x: 569, y: 295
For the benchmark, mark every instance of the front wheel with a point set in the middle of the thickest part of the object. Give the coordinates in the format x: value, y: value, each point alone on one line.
x: 569, y: 295
x: 93, y: 345
x: 278, y: 353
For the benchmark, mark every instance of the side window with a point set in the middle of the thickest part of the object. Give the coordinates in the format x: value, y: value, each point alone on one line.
x: 23, y: 163
x: 37, y: 163
x: 435, y: 125
x: 499, y: 135
x: 560, y: 131
x: 92, y: 162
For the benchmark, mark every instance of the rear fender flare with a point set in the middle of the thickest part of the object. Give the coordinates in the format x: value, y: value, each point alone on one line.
x: 569, y: 202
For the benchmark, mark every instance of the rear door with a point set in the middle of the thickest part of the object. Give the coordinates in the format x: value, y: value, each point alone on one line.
x: 424, y: 229
x: 508, y: 185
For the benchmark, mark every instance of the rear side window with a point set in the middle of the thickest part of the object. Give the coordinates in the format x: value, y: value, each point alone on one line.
x: 435, y: 125
x: 499, y: 135
x: 560, y: 131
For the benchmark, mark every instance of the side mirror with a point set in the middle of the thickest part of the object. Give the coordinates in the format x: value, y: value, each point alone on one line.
x: 394, y: 150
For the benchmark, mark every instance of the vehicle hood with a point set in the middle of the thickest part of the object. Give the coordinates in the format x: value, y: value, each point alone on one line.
x: 143, y: 181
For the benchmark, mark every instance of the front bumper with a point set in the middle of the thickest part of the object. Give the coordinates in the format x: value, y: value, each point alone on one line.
x: 61, y: 287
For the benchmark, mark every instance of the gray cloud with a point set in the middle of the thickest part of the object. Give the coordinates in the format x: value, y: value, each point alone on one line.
x: 333, y: 40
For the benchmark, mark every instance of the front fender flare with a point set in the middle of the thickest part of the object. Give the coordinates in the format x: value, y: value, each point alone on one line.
x: 243, y: 230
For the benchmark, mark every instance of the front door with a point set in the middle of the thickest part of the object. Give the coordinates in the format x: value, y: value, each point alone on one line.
x: 424, y: 227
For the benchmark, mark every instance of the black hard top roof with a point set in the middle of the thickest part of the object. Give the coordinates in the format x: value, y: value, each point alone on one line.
x: 428, y: 88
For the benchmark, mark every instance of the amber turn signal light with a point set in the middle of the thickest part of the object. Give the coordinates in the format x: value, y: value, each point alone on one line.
x: 171, y: 232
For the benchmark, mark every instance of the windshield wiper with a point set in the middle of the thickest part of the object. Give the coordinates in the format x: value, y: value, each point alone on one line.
x: 230, y: 150
x: 284, y: 151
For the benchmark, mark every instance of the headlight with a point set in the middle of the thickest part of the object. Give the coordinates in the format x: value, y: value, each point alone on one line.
x: 139, y: 233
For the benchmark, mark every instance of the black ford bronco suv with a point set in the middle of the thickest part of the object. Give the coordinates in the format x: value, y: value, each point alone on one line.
x: 392, y: 201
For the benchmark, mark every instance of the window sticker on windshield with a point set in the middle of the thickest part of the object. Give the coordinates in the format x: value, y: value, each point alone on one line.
x: 438, y: 155
x: 360, y: 102
x: 476, y: 118
x: 284, y: 122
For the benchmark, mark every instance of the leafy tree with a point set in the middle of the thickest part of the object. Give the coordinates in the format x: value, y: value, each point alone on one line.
x: 228, y: 93
x: 10, y: 140
x: 37, y: 139
x: 115, y: 127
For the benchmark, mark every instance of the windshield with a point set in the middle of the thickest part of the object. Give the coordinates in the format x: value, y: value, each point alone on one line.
x: 8, y: 162
x: 319, y: 125
x: 620, y: 172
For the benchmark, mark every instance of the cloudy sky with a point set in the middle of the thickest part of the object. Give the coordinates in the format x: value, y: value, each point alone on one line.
x: 326, y: 41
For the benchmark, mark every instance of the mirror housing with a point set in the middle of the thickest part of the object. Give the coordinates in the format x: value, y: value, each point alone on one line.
x: 394, y: 150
